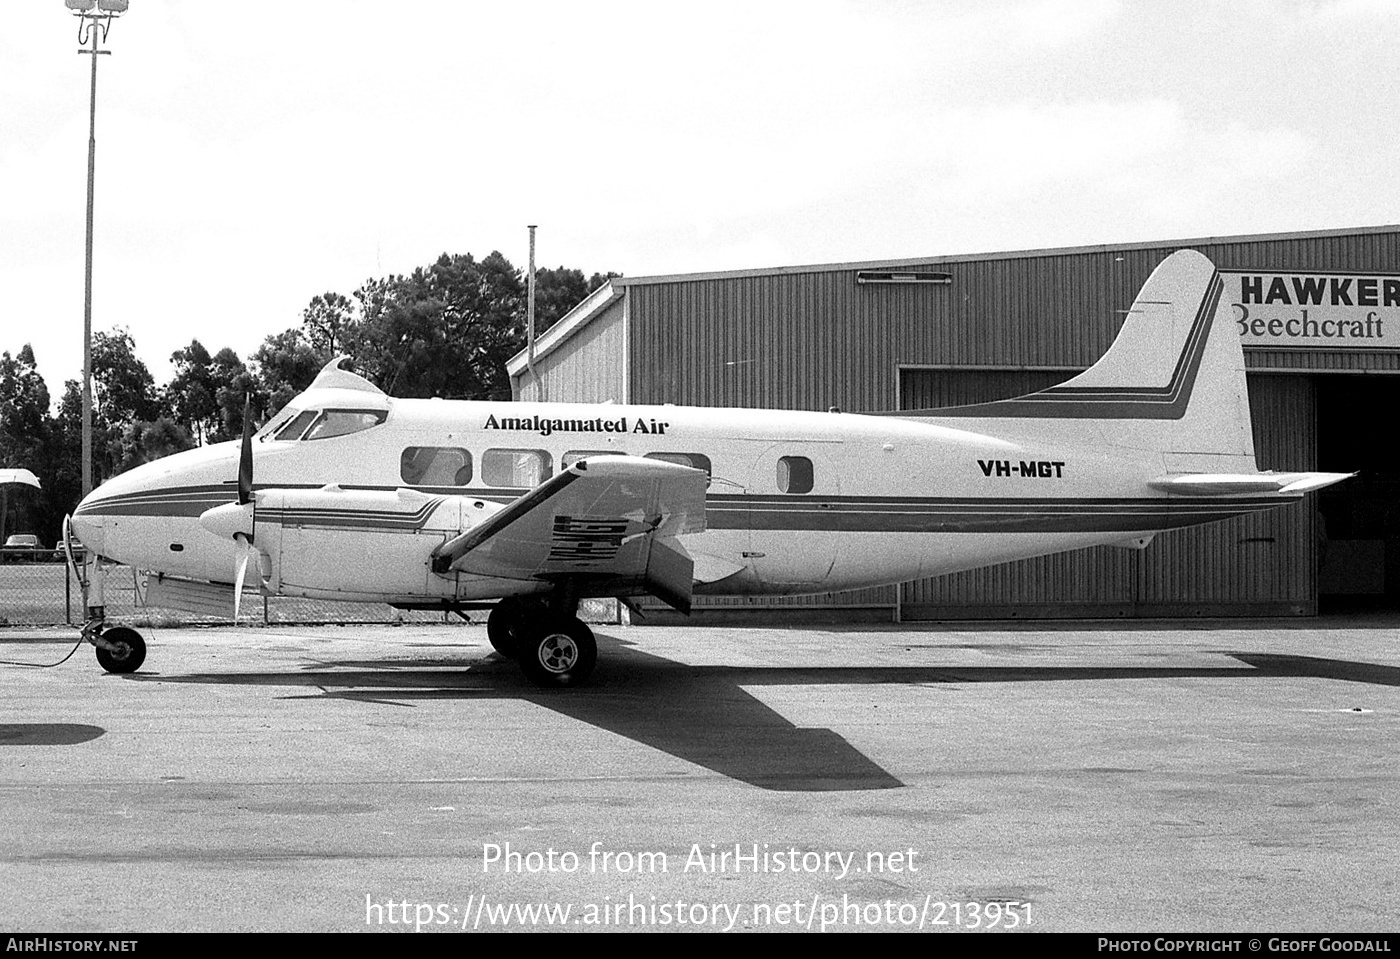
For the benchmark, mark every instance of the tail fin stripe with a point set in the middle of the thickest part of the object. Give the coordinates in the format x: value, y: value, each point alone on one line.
x: 1127, y: 402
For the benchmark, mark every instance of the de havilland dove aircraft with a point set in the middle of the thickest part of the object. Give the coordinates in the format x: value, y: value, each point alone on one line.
x: 349, y: 494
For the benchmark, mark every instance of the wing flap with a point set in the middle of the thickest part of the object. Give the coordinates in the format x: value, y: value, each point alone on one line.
x: 612, y: 518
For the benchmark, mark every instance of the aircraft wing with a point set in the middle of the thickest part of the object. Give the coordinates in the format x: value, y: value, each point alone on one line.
x: 610, y: 519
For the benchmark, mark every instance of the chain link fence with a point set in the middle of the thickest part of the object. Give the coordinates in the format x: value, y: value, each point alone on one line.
x: 38, y: 589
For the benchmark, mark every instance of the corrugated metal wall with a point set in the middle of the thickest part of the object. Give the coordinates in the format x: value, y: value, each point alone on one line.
x: 589, y: 367
x: 810, y: 340
x: 1265, y: 563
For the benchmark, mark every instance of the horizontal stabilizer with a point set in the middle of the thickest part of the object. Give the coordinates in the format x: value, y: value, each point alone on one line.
x: 1236, y: 484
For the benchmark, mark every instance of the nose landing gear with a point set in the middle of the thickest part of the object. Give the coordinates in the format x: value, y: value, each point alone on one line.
x: 120, y: 649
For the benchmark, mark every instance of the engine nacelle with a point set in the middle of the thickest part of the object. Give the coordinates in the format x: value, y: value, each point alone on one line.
x: 333, y: 543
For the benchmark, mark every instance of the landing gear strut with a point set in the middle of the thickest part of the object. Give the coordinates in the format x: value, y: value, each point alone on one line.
x: 119, y: 649
x: 552, y: 645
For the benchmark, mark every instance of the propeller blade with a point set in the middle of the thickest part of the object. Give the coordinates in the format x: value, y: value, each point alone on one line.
x: 245, y: 455
x: 238, y: 579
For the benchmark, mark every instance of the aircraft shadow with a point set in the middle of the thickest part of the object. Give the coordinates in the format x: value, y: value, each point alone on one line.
x: 703, y: 715
x: 48, y: 734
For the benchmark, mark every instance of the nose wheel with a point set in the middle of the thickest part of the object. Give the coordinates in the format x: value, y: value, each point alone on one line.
x: 120, y: 650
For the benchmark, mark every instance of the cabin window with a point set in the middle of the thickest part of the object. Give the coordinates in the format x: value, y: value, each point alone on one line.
x: 795, y: 474
x: 697, y: 461
x: 344, y: 422
x: 516, y: 468
x: 573, y: 456
x: 435, y: 466
x: 297, y: 426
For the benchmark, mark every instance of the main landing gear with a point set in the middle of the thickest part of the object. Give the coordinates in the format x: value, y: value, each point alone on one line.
x: 550, y: 642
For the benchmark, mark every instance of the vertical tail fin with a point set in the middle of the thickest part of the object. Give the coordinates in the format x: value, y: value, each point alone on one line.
x: 1172, y: 382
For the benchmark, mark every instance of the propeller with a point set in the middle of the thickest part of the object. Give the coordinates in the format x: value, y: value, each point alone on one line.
x: 238, y: 520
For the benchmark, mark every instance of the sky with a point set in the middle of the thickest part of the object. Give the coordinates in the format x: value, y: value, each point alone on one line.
x: 252, y: 155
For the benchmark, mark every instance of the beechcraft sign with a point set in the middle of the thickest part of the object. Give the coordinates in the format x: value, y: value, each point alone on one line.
x: 1331, y: 311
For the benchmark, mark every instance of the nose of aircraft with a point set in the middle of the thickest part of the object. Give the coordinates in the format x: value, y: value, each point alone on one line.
x: 88, y: 527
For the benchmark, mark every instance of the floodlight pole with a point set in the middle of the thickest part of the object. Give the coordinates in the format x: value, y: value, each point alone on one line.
x: 92, y: 27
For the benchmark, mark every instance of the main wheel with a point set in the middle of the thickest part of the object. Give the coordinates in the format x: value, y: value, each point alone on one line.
x: 558, y: 652
x: 129, y: 654
x: 504, y: 624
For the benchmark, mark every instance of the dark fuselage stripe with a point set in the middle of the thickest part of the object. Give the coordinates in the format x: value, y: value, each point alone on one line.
x: 878, y: 514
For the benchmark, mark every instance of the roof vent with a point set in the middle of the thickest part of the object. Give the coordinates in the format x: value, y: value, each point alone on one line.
x: 916, y: 277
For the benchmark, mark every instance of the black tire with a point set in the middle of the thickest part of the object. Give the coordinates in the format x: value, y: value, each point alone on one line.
x: 503, y: 626
x: 558, y: 652
x: 129, y: 657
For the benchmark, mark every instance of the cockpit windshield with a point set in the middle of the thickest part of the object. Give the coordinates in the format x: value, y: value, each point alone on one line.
x: 296, y: 426
x: 344, y: 422
x: 274, y: 426
x: 319, y: 424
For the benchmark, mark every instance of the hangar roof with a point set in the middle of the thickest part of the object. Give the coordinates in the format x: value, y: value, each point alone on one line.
x: 615, y: 288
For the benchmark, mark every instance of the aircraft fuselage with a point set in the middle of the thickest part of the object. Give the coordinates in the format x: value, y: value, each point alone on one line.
x: 798, y: 502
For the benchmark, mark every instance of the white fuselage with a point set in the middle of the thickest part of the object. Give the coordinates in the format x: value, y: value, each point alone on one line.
x: 798, y: 502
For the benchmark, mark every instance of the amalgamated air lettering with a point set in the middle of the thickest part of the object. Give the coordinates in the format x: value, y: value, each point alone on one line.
x: 545, y: 426
x: 1028, y: 469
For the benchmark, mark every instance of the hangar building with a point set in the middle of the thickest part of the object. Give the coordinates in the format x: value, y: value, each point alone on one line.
x: 1318, y: 312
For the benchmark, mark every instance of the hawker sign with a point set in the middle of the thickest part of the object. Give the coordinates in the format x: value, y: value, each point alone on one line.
x: 1328, y: 311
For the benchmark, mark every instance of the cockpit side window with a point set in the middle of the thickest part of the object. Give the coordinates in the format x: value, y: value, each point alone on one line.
x: 296, y: 426
x: 344, y: 422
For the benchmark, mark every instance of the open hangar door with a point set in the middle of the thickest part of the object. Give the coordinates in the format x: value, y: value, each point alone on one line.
x: 1358, y: 537
x: 1259, y: 565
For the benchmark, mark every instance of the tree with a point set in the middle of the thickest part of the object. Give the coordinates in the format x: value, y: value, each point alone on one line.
x: 445, y: 330
x: 559, y: 290
x: 25, y: 436
x: 123, y: 388
x: 232, y: 383
x: 191, y: 392
x: 286, y: 364
x: 325, y: 320
x: 143, y: 441
x: 24, y: 410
